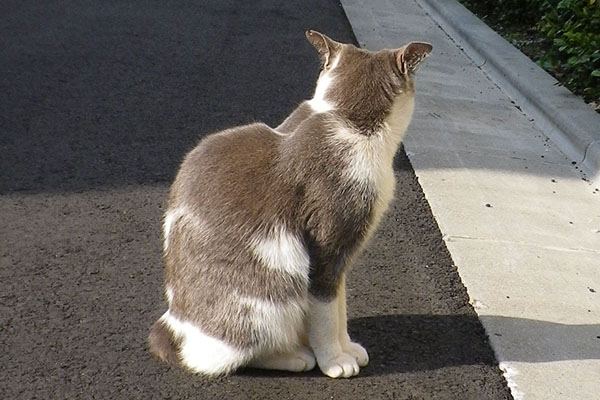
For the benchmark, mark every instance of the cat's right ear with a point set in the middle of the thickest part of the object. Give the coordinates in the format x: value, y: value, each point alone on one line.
x: 326, y: 47
x: 410, y: 56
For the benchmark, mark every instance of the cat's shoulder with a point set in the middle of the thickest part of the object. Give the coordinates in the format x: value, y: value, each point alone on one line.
x: 240, y: 138
x: 254, y: 131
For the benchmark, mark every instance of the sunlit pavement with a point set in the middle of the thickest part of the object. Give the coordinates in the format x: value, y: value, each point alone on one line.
x: 518, y: 209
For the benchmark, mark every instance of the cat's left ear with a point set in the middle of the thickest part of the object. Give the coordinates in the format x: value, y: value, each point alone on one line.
x: 326, y: 47
x: 410, y: 56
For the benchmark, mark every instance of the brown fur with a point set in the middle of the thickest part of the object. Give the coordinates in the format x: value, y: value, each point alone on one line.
x: 162, y: 344
x: 248, y: 181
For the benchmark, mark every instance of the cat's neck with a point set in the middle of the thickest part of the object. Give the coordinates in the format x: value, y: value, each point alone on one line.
x: 367, y: 113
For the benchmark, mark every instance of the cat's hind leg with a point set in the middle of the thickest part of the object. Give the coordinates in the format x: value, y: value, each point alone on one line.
x: 299, y: 360
x: 201, y: 353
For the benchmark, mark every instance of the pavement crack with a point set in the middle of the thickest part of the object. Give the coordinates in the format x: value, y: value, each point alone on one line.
x: 456, y: 238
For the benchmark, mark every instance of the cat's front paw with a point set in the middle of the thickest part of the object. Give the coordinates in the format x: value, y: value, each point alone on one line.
x: 341, y: 366
x: 358, y: 352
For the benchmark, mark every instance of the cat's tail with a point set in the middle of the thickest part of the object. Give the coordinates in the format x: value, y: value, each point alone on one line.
x: 162, y: 344
x: 181, y: 342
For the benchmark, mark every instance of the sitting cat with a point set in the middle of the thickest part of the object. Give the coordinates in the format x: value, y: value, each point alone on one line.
x: 263, y: 223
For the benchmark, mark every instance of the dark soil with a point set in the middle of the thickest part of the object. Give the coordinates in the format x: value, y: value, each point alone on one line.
x: 99, y: 103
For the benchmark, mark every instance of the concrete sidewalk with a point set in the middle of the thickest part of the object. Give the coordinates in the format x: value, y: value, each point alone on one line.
x: 509, y: 165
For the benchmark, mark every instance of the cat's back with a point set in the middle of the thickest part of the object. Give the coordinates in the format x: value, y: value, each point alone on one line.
x: 226, y: 167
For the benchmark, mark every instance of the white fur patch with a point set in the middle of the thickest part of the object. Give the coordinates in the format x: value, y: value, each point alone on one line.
x: 170, y: 217
x: 369, y: 160
x: 318, y: 102
x: 181, y: 215
x: 169, y: 294
x: 278, y: 324
x: 281, y: 250
x: 320, y: 105
x: 202, y: 353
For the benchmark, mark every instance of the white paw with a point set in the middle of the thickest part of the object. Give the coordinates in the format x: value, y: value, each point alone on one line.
x: 295, y: 364
x: 299, y: 360
x: 358, y: 352
x: 307, y: 356
x: 341, y: 366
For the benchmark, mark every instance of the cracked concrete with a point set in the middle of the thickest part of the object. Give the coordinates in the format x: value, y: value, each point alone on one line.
x: 451, y: 238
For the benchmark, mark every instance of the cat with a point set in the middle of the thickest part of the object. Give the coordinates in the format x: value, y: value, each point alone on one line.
x: 262, y: 224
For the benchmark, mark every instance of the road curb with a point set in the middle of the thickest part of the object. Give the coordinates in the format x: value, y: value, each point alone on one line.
x: 569, y: 122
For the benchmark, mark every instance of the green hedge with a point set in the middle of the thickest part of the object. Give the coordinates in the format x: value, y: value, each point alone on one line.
x: 571, y: 28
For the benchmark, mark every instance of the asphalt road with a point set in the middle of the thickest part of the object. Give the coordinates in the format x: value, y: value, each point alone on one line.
x: 99, y: 102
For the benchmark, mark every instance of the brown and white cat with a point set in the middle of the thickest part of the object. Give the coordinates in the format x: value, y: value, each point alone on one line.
x: 262, y: 223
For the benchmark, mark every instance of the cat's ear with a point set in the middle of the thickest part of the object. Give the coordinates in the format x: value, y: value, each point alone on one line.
x: 410, y: 56
x: 326, y: 47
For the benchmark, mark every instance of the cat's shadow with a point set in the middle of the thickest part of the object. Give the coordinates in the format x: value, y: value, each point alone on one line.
x: 407, y: 343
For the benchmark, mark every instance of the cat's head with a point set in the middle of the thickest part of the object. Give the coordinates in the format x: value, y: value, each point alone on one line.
x: 365, y: 86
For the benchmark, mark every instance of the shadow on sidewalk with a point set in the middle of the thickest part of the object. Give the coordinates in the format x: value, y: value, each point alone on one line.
x: 427, y: 342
